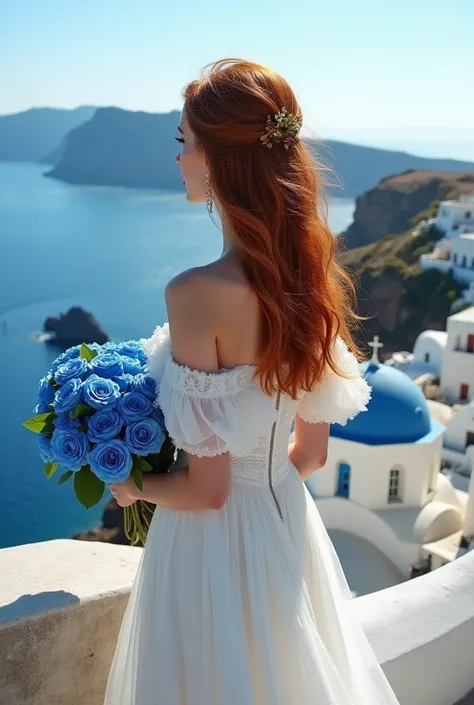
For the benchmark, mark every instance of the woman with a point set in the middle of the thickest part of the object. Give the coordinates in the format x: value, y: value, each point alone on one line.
x: 240, y: 598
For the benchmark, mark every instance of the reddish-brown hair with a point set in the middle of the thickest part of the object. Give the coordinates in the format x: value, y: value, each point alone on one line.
x: 272, y: 198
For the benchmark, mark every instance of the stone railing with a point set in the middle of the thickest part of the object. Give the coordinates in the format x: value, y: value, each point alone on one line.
x: 61, y: 604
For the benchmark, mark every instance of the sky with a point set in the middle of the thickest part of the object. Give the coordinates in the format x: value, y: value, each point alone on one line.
x: 373, y: 67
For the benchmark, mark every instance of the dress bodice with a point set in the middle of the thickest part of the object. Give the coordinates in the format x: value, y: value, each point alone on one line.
x: 211, y: 413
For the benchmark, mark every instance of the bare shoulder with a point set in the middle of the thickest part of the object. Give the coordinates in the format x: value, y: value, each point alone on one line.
x: 194, y: 301
x: 208, y: 291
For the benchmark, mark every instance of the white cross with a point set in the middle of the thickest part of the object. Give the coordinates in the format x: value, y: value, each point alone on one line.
x: 375, y: 345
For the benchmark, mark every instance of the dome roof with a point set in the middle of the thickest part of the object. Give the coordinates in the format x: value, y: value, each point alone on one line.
x: 397, y: 411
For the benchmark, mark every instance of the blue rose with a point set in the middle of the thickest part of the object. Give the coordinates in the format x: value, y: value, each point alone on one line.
x: 68, y: 396
x: 72, y: 352
x: 107, y: 365
x: 42, y: 408
x: 70, y: 448
x: 144, y: 437
x: 159, y: 417
x: 45, y: 450
x: 104, y: 426
x: 101, y: 393
x: 77, y: 367
x: 45, y: 392
x: 134, y: 406
x: 69, y: 354
x: 109, y: 346
x: 65, y: 421
x: 145, y: 384
x: 132, y: 348
x: 111, y: 461
x: 125, y: 382
x: 131, y: 366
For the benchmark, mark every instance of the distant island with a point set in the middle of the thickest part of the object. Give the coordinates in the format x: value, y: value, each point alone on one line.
x: 75, y: 327
x: 116, y: 147
x: 122, y: 148
x: 32, y: 135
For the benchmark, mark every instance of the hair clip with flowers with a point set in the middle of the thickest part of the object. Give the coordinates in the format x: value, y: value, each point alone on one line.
x: 282, y: 128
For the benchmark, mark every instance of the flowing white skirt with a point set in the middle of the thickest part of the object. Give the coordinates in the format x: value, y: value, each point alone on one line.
x: 236, y: 607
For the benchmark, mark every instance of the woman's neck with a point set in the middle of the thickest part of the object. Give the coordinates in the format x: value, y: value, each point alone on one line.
x: 228, y: 239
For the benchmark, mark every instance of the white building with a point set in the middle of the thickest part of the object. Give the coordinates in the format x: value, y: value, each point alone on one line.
x: 462, y: 258
x: 382, y: 485
x: 455, y: 251
x: 456, y: 217
x: 457, y: 374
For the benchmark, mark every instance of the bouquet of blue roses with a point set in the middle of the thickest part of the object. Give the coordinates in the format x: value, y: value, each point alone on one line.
x: 96, y: 420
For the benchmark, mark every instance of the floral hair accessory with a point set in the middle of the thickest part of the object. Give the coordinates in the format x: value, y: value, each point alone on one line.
x: 282, y: 128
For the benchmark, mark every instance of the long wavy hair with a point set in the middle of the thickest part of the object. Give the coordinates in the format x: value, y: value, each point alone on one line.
x: 274, y: 202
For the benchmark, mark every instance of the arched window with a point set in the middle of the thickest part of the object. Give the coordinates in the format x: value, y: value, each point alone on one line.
x: 344, y: 480
x: 395, y: 485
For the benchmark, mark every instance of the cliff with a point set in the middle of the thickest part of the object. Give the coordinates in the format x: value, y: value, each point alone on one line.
x: 398, y: 298
x: 396, y: 200
x: 75, y: 327
x: 136, y: 149
x: 30, y: 135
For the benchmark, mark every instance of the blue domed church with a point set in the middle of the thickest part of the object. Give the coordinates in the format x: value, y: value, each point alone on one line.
x: 381, y: 481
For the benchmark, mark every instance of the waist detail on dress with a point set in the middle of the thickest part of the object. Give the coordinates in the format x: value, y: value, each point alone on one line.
x: 245, y: 471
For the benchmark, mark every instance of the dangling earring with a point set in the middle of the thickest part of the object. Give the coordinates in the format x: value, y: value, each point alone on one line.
x: 209, y: 201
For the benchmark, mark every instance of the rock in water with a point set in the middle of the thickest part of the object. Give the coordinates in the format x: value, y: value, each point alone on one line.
x: 75, y: 327
x: 112, y: 528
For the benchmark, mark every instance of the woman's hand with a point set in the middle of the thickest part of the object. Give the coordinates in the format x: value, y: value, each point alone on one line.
x: 124, y: 493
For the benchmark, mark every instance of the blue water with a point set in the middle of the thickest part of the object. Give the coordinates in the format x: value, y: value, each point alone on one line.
x: 111, y: 251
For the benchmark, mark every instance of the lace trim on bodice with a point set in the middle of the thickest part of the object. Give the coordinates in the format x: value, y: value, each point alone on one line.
x: 207, y: 384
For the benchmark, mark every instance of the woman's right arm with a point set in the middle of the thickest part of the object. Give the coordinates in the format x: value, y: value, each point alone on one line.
x: 308, y: 453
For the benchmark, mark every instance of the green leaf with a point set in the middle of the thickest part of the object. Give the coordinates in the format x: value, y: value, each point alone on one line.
x: 86, y: 353
x: 141, y: 464
x: 88, y: 488
x: 81, y: 410
x: 65, y: 477
x: 50, y: 469
x: 83, y: 429
x: 41, y: 422
x: 137, y: 478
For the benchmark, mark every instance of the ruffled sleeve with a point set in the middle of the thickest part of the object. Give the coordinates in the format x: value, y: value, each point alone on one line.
x: 336, y: 399
x: 208, y: 413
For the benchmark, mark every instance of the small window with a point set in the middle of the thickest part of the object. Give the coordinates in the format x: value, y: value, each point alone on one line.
x: 467, y: 215
x: 455, y: 258
x: 427, y: 357
x: 445, y: 213
x: 464, y: 261
x: 394, y: 492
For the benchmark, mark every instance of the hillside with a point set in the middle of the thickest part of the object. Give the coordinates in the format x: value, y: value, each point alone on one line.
x: 31, y: 135
x: 360, y: 168
x: 122, y: 148
x: 398, y: 297
x: 391, y: 205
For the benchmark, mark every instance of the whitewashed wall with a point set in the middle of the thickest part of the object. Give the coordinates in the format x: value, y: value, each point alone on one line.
x: 61, y: 603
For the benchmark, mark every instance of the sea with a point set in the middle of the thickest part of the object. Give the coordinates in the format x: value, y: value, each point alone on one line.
x: 108, y: 250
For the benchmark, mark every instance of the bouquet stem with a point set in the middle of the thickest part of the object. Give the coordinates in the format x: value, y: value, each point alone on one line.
x: 137, y: 520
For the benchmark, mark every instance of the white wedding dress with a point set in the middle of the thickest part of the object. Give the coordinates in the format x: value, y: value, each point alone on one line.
x: 246, y: 605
